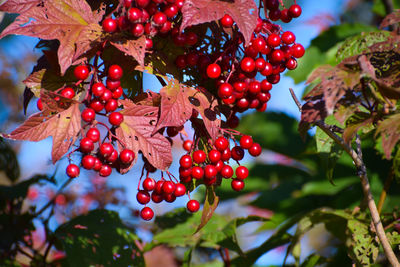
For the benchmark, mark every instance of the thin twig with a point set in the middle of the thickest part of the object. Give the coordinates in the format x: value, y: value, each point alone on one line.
x: 385, y: 189
x: 362, y: 173
x: 389, y: 8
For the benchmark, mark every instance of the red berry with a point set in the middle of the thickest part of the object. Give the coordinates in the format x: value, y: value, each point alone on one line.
x: 168, y: 187
x: 143, y: 197
x: 191, y: 38
x: 291, y: 64
x: 157, y: 198
x: 237, y: 153
x: 93, y: 134
x: 110, y: 25
x: 88, y: 115
x: 149, y: 184
x: 115, y: 72
x: 254, y: 87
x: 97, y: 164
x: 214, y: 156
x: 98, y: 89
x: 288, y: 37
x: 128, y: 3
x: 242, y: 172
x: 246, y: 141
x: 39, y: 104
x: 111, y: 105
x: 240, y: 86
x: 225, y: 90
x: 227, y: 171
x: 147, y: 214
x: 185, y: 161
x: 193, y: 205
x: 210, y: 171
x: 113, y: 157
x: 230, y: 100
x: 187, y: 145
x: 199, y: 156
x: 81, y: 72
x: 237, y: 184
x: 68, y: 92
x: 171, y: 11
x: 226, y: 21
x: 180, y: 190
x: 243, y: 103
x: 221, y: 143
x: 180, y: 61
x: 274, y: 15
x: 117, y: 93
x: 265, y: 86
x: 158, y: 189
x: 297, y: 50
x: 127, y: 156
x: 267, y: 70
x: 116, y: 118
x: 226, y: 154
x: 255, y: 149
x: 96, y: 105
x: 113, y: 84
x: 105, y: 170
x: 123, y: 22
x: 107, y: 95
x: 142, y: 3
x: 134, y: 14
x: 72, y: 170
x: 170, y: 198
x: 273, y: 40
x: 197, y: 172
x: 185, y: 172
x: 247, y: 64
x: 149, y: 44
x: 106, y: 149
x: 219, y: 165
x: 86, y: 145
x: 295, y: 11
x: 159, y: 18
x: 258, y: 44
x: 88, y: 162
x: 213, y: 71
x: 260, y: 64
x: 179, y: 39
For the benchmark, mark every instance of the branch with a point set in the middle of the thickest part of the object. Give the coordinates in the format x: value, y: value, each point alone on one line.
x: 362, y: 173
x: 389, y: 8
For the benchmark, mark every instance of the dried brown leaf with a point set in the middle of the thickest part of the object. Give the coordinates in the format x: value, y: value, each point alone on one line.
x: 134, y: 48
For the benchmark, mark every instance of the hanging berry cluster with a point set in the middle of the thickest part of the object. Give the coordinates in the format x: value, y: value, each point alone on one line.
x: 215, y: 66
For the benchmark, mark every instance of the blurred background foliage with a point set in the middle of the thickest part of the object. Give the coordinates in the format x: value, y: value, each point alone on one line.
x: 299, y: 206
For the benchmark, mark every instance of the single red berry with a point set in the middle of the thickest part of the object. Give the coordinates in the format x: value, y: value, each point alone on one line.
x: 127, y: 156
x: 187, y: 145
x: 225, y: 90
x: 110, y: 25
x: 168, y: 187
x: 274, y: 15
x: 88, y: 162
x: 39, y: 104
x: 159, y: 18
x: 240, y: 86
x: 191, y: 38
x: 113, y: 84
x: 158, y: 189
x: 247, y: 64
x: 213, y: 71
x: 179, y: 39
x: 274, y: 78
x: 123, y: 22
x: 221, y: 143
x: 185, y: 161
x: 242, y: 172
x: 147, y: 214
x: 171, y: 11
x: 214, y: 156
x: 226, y: 154
x: 115, y: 72
x: 116, y: 118
x: 193, y: 205
x: 199, y: 156
x: 149, y: 184
x: 274, y: 40
x: 254, y: 87
x: 88, y: 114
x: 97, y: 164
x: 233, y: 121
x: 255, y: 150
x: 197, y: 172
x: 277, y: 56
x: 297, y: 50
x: 285, y: 15
x: 157, y: 198
x: 230, y: 100
x: 267, y: 70
x: 185, y: 172
x: 258, y: 44
x: 165, y: 28
x: 226, y: 21
x: 86, y: 145
x: 117, y: 93
x: 180, y: 61
x: 180, y: 190
x: 246, y: 141
x: 260, y: 64
x: 105, y: 170
x: 148, y: 43
x: 242, y: 103
x: 179, y: 3
x: 128, y: 3
x: 106, y: 149
x: 106, y: 96
x: 263, y: 97
x: 72, y: 170
x: 142, y: 3
x: 266, y: 86
x: 81, y: 72
x: 113, y: 157
x: 170, y: 198
x: 237, y: 184
x: 143, y: 197
x: 237, y: 153
x: 295, y: 11
x: 210, y: 171
x: 68, y: 92
x: 96, y: 105
x: 111, y: 105
x: 98, y: 89
x: 219, y: 165
x: 291, y: 64
x: 227, y: 171
x: 288, y: 37
x: 134, y: 14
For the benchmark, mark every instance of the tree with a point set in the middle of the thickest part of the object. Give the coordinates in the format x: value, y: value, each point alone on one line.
x: 208, y: 56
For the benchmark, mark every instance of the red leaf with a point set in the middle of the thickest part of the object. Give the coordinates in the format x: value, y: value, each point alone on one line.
x: 136, y: 132
x: 60, y: 123
x: 19, y: 6
x: 390, y: 131
x: 243, y: 12
x: 72, y: 22
x: 134, y: 48
x: 391, y: 19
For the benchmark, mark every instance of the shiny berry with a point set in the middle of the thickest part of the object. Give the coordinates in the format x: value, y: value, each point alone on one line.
x: 127, y: 156
x: 134, y: 14
x: 242, y: 172
x: 88, y: 162
x: 116, y: 118
x: 214, y: 156
x: 72, y: 170
x: 295, y: 11
x: 105, y: 170
x: 81, y: 72
x: 97, y: 164
x: 168, y: 187
x: 193, y: 205
x: 149, y: 184
x: 210, y: 171
x: 115, y: 72
x: 225, y: 90
x: 226, y: 21
x: 247, y: 64
x: 288, y: 37
x: 213, y: 71
x: 226, y: 154
x: 297, y: 50
x: 147, y: 214
x: 246, y: 141
x: 180, y: 190
x: 68, y: 92
x: 187, y: 145
x: 221, y: 143
x: 96, y: 105
x: 98, y: 89
x: 227, y: 171
x: 274, y: 40
x: 197, y: 172
x: 157, y: 198
x: 113, y: 84
x: 143, y: 197
x: 185, y: 161
x: 159, y: 18
x: 93, y: 134
x: 237, y: 184
x: 255, y: 149
x: 106, y: 149
x: 88, y: 115
x: 111, y: 105
x: 199, y: 156
x: 86, y: 145
x: 106, y: 96
x: 39, y: 104
x: 110, y: 25
x: 237, y: 153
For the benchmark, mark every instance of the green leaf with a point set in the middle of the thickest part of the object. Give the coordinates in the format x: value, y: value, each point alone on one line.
x: 357, y: 44
x: 379, y: 8
x: 313, y: 260
x: 210, y: 204
x: 187, y: 258
x: 99, y: 238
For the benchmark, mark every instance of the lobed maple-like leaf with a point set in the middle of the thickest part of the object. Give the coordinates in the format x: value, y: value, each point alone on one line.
x: 72, y: 22
x: 133, y: 48
x: 136, y: 133
x: 19, y: 6
x: 59, y: 119
x: 389, y: 129
x: 243, y: 12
